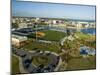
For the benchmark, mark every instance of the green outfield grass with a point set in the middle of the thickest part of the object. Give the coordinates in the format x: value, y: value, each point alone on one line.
x: 53, y: 35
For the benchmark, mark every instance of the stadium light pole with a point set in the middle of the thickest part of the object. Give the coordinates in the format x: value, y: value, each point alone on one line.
x: 36, y: 31
x: 66, y: 29
x: 37, y: 20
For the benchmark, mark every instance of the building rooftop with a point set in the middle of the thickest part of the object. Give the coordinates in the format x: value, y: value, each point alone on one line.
x: 21, y: 38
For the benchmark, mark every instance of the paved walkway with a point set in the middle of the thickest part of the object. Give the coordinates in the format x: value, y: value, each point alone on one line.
x: 63, y: 40
x: 22, y: 70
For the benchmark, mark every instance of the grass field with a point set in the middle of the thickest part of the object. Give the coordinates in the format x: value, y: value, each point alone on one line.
x: 82, y: 63
x: 53, y: 35
x: 15, y: 65
x: 85, y: 36
x: 38, y: 60
x: 87, y: 40
x: 43, y: 47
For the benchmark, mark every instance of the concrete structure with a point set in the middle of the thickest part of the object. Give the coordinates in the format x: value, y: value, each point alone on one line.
x: 18, y: 41
x: 13, y: 20
x: 87, y: 51
x: 84, y: 25
x: 93, y: 25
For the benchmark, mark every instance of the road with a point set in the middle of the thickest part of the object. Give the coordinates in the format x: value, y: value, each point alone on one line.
x: 26, y: 60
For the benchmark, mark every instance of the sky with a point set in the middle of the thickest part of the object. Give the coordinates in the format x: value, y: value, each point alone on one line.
x: 53, y: 10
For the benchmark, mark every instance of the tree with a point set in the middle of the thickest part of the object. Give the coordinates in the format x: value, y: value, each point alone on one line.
x: 14, y: 25
x: 68, y: 32
x: 32, y: 35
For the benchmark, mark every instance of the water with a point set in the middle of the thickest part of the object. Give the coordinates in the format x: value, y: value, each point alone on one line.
x: 89, y: 31
x: 78, y: 20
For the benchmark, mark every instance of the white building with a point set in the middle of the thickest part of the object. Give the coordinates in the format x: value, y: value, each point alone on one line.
x: 54, y: 21
x: 13, y: 20
x: 18, y: 41
x: 82, y: 25
x: 37, y: 19
x: 22, y: 25
x: 92, y: 25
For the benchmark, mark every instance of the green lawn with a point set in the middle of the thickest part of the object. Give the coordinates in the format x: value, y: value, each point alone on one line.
x: 53, y: 35
x: 82, y: 63
x: 42, y: 46
x: 15, y: 65
x: 83, y: 35
x: 86, y: 39
x: 38, y: 60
